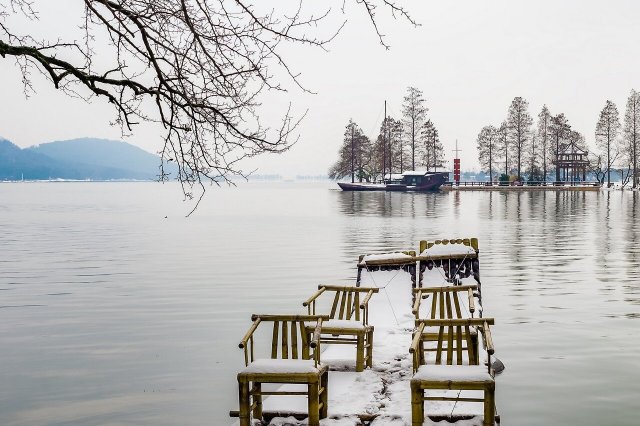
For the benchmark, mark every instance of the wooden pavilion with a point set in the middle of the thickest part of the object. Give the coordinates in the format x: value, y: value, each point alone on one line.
x: 572, y: 163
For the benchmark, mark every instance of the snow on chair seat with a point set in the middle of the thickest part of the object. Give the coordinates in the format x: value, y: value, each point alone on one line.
x: 449, y: 373
x: 348, y: 320
x: 455, y: 365
x: 286, y: 366
x: 295, y: 358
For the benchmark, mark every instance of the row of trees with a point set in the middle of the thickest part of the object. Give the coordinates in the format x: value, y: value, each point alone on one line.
x: 407, y: 143
x: 517, y: 147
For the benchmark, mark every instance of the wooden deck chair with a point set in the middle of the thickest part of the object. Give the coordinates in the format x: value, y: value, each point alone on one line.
x: 457, y: 257
x: 348, y: 321
x: 296, y: 361
x: 455, y: 365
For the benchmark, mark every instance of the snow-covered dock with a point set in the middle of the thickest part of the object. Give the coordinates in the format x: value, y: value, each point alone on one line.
x: 382, y: 394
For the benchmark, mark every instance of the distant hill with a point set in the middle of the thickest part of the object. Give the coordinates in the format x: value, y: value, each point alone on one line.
x: 86, y: 158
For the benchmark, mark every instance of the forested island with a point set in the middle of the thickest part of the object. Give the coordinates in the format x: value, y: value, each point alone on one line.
x: 516, y: 150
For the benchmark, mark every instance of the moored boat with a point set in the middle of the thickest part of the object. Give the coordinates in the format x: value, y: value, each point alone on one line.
x: 411, y: 181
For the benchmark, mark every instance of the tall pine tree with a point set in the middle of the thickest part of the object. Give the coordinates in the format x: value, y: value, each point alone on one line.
x: 631, y: 134
x: 607, y: 135
x: 413, y: 114
x: 519, y: 123
x: 558, y: 134
x: 543, y: 134
x: 487, y: 141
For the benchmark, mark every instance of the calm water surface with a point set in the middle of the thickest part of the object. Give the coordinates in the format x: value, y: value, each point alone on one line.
x: 116, y: 309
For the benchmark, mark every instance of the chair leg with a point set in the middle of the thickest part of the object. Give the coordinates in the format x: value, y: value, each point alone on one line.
x: 489, y: 405
x: 370, y: 349
x: 244, y: 402
x: 360, y: 352
x: 257, y: 399
x: 314, y: 404
x: 324, y: 397
x: 417, y: 405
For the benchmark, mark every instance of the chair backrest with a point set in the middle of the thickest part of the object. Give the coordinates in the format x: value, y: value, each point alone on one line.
x: 290, y: 338
x: 453, y: 341
x: 349, y: 303
x: 471, y: 242
x: 445, y: 301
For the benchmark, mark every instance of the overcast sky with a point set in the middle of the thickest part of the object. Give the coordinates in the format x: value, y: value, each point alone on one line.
x: 470, y: 58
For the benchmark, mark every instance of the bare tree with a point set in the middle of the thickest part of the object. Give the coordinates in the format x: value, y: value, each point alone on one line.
x: 503, y: 145
x: 196, y: 67
x: 533, y: 156
x: 631, y: 134
x: 607, y: 134
x: 597, y: 166
x: 431, y: 148
x: 353, y: 156
x: 519, y: 123
x: 544, y: 123
x: 413, y: 113
x: 487, y: 140
x: 559, y: 132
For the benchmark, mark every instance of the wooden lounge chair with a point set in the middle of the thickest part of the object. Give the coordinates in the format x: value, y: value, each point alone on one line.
x: 456, y: 365
x: 348, y: 320
x: 298, y: 361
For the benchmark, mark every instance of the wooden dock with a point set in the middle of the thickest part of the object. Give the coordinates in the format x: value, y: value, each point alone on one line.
x: 414, y: 345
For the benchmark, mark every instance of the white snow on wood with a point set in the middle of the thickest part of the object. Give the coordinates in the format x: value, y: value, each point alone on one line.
x: 385, y: 256
x: 476, y: 373
x: 281, y: 366
x: 448, y: 250
x: 336, y: 324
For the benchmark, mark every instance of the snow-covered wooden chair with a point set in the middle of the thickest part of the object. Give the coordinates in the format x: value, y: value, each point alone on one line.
x: 295, y: 358
x: 348, y: 321
x: 452, y: 363
x: 458, y: 259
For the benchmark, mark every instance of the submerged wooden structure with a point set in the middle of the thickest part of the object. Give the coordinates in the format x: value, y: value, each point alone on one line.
x: 431, y: 359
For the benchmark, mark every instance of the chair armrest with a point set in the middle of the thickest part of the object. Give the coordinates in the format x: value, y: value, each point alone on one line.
x: 488, y: 340
x: 243, y: 342
x: 314, y: 297
x: 365, y: 302
x: 416, y: 305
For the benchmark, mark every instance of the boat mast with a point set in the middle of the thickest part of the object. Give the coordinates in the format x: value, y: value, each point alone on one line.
x: 384, y: 143
x: 352, y: 173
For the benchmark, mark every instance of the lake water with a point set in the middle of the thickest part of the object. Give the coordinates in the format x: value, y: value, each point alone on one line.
x: 116, y: 309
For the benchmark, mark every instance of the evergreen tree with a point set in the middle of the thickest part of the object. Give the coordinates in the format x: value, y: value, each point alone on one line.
x: 607, y: 134
x: 487, y: 142
x: 413, y: 113
x: 544, y: 123
x: 519, y: 124
x: 631, y: 134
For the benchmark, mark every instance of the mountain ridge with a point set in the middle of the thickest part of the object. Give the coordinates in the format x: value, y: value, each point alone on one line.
x: 79, y: 159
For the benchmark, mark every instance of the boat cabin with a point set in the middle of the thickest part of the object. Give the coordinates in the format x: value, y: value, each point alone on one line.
x: 413, y: 177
